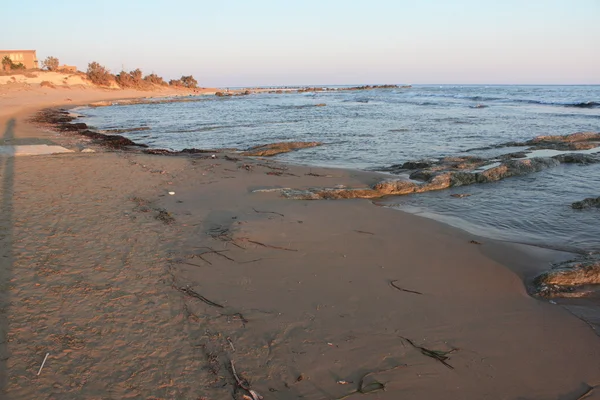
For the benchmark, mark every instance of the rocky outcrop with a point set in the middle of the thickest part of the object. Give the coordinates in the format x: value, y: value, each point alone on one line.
x: 570, y: 279
x: 587, y: 203
x: 573, y: 141
x: 438, y: 178
x: 272, y: 149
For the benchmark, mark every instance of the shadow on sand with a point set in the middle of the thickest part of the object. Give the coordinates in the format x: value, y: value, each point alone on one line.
x: 7, y: 173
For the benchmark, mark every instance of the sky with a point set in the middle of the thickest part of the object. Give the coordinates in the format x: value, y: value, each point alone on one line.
x: 305, y: 42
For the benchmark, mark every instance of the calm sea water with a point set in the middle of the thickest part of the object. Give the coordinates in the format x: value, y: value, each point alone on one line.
x: 371, y: 129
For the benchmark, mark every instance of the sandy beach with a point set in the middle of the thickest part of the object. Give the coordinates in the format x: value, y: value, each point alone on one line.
x: 150, y: 277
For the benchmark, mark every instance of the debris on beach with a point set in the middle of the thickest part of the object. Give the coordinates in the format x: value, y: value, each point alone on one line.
x: 271, y: 149
x: 164, y: 216
x: 439, y: 355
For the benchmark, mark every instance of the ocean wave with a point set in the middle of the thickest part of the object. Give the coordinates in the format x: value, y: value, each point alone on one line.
x: 585, y: 104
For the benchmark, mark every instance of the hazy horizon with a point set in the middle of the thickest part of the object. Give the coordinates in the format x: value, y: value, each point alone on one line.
x: 267, y: 43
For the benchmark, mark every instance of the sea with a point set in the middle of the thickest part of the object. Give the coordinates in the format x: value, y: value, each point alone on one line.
x: 373, y: 129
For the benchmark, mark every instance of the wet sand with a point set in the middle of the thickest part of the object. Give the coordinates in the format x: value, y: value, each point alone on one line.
x: 137, y: 293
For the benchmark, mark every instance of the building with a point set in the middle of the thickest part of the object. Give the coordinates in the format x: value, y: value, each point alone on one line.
x: 26, y: 57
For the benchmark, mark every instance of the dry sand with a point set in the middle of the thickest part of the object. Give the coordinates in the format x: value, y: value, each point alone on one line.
x: 137, y: 293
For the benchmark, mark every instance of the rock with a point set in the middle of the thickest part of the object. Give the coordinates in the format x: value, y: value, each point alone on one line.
x: 114, y: 141
x: 416, y: 164
x: 577, y: 158
x: 519, y: 154
x: 421, y: 175
x: 395, y: 187
x: 569, y: 279
x: 88, y: 151
x: 586, y: 203
x: 272, y: 149
x: 571, y: 138
x: 68, y: 127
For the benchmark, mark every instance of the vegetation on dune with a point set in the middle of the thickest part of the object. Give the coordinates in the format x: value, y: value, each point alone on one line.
x: 99, y: 75
x: 8, y: 64
x: 50, y: 63
x: 132, y: 79
x: 155, y: 79
x: 185, y: 81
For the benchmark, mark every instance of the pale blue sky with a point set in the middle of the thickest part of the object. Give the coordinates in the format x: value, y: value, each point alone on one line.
x: 260, y: 42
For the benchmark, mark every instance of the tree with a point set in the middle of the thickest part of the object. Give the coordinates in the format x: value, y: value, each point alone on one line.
x: 155, y: 79
x: 50, y: 63
x: 124, y: 79
x: 98, y: 74
x: 136, y: 75
x: 7, y: 63
x: 189, y: 82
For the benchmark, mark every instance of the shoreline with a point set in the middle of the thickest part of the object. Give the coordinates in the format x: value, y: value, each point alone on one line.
x: 561, y: 251
x: 281, y: 315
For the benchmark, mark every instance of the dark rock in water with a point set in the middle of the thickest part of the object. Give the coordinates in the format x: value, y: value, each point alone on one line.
x: 421, y: 175
x: 114, y: 141
x: 79, y: 126
x: 519, y: 154
x: 586, y: 203
x: 577, y: 158
x: 416, y: 164
x: 124, y: 130
x: 573, y: 141
x: 570, y: 279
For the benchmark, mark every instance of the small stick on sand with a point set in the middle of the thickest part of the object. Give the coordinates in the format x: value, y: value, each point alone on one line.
x: 230, y: 343
x: 267, y: 245
x: 43, y: 362
x: 402, y: 289
x: 267, y: 212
